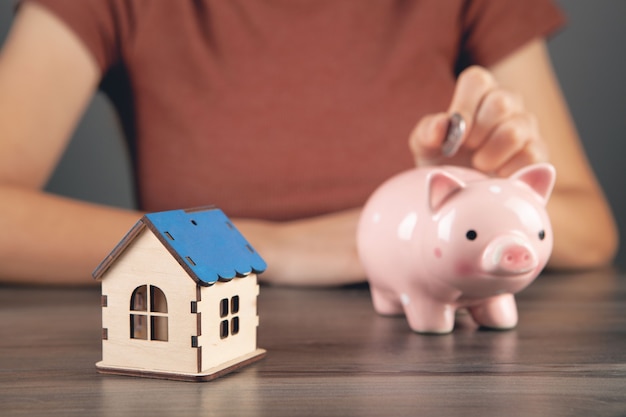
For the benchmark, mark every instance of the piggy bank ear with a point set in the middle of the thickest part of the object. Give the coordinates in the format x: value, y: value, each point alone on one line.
x: 441, y: 185
x: 539, y: 177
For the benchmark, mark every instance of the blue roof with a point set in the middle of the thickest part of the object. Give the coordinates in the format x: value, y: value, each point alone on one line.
x: 203, y: 241
x: 206, y: 244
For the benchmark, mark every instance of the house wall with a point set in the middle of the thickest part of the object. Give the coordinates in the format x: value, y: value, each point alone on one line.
x: 217, y: 350
x: 147, y: 262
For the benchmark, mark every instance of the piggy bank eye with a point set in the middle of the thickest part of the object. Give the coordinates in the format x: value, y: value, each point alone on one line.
x: 542, y: 234
x: 471, y: 235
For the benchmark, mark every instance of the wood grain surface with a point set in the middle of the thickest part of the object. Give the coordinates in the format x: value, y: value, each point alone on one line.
x: 329, y: 354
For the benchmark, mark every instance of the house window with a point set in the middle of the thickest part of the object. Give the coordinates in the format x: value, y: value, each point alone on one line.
x: 229, y: 325
x: 148, y: 318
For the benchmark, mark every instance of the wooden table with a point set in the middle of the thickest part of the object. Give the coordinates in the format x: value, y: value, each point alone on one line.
x: 329, y: 354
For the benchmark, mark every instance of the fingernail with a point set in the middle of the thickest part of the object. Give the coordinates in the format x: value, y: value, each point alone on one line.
x: 456, y: 129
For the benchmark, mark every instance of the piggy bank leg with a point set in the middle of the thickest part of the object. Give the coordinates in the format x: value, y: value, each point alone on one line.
x: 498, y: 312
x: 429, y: 317
x: 386, y: 303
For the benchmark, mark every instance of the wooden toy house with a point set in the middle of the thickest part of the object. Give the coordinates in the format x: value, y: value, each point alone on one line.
x: 179, y: 297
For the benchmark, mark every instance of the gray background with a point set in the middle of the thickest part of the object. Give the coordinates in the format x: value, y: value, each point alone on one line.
x: 589, y: 57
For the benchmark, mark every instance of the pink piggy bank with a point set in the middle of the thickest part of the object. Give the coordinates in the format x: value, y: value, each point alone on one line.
x: 433, y: 240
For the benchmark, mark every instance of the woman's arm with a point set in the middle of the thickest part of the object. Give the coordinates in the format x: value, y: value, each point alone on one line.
x: 516, y: 116
x: 584, y: 228
x: 46, y: 79
x: 48, y: 76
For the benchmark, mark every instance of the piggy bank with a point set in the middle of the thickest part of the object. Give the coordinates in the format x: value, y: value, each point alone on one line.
x: 433, y: 240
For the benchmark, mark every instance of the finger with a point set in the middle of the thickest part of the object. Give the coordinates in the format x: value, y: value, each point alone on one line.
x: 472, y: 86
x: 497, y: 106
x: 427, y: 137
x: 505, y: 141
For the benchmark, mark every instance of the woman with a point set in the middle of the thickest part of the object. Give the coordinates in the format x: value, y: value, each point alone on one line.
x: 284, y: 114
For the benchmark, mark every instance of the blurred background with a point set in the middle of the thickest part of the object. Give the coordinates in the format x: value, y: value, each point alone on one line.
x: 589, y: 56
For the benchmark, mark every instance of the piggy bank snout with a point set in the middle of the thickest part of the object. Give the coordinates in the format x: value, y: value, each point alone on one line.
x: 509, y: 255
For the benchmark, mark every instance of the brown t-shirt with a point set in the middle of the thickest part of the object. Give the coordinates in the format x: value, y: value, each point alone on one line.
x: 281, y: 109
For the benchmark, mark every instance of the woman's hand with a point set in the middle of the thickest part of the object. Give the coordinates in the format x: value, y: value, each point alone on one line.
x: 500, y: 134
x: 505, y: 132
x: 316, y: 251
